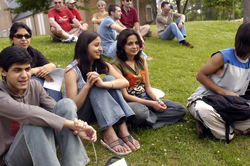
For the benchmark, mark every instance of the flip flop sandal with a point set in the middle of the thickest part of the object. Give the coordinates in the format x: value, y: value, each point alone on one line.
x: 113, y: 144
x: 130, y: 139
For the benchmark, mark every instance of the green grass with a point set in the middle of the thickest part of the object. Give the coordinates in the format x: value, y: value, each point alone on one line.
x: 173, y: 70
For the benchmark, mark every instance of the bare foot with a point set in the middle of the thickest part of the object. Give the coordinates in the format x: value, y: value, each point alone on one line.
x: 117, y: 147
x: 131, y: 142
x: 149, y: 58
x: 113, y: 142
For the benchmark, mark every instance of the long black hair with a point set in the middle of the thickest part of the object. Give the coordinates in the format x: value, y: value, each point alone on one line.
x: 121, y: 42
x: 242, y: 40
x: 16, y: 26
x: 81, y: 53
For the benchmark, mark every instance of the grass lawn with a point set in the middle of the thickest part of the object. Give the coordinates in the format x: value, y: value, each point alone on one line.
x: 173, y: 70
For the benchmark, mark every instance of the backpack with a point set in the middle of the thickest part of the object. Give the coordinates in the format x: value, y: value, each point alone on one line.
x: 230, y: 108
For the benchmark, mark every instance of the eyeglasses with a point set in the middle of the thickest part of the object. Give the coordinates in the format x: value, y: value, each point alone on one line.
x: 128, y: 0
x: 20, y: 36
x: 58, y: 2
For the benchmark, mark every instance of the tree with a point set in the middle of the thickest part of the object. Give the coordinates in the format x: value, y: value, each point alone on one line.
x: 154, y: 8
x: 194, y: 9
x: 200, y: 9
x: 246, y: 12
x: 220, y: 4
x: 34, y: 6
x: 178, y: 4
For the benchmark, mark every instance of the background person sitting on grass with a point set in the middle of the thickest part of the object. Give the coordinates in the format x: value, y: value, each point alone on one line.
x: 108, y: 30
x: 103, y: 96
x: 226, y: 73
x: 149, y: 109
x: 130, y: 19
x: 98, y: 17
x: 20, y: 35
x: 32, y: 125
x: 167, y: 30
x: 70, y: 5
x: 59, y: 20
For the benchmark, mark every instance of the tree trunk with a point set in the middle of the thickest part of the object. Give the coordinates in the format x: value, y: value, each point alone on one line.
x: 178, y: 3
x: 185, y: 7
x: 233, y: 9
x: 201, y: 10
x: 192, y: 6
x: 223, y: 13
x: 246, y: 11
x: 210, y: 13
x: 154, y: 8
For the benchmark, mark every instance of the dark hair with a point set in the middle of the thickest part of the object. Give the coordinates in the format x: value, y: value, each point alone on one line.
x: 13, y: 54
x: 122, y: 40
x: 16, y: 26
x: 112, y: 8
x: 242, y: 40
x: 81, y: 53
x: 163, y: 4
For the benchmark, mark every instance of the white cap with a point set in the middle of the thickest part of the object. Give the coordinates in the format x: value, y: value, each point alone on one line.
x: 70, y: 1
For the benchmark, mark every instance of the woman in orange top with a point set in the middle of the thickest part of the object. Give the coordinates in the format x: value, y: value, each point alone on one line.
x: 149, y: 109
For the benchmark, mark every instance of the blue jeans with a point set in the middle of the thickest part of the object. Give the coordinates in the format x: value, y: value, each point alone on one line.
x: 173, y: 31
x: 109, y: 106
x: 111, y: 52
x: 34, y: 145
x: 145, y: 115
x: 52, y: 93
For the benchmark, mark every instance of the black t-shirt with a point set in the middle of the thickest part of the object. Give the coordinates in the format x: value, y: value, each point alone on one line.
x: 38, y: 59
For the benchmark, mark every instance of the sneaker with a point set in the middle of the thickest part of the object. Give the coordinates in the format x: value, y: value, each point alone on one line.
x: 188, y: 45
x: 66, y: 40
x: 200, y: 129
x: 74, y: 39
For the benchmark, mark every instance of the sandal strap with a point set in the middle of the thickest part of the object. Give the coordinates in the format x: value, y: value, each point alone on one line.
x: 128, y: 138
x: 116, y: 143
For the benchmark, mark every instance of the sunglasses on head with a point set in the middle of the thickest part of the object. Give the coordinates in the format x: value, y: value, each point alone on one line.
x: 20, y: 36
x: 128, y: 0
x: 58, y: 2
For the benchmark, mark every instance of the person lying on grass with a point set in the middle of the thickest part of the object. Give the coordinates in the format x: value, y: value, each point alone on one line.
x: 226, y: 73
x: 149, y: 109
x: 32, y: 124
x: 101, y: 96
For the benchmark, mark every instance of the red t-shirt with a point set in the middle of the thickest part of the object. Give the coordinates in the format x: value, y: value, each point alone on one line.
x: 129, y: 18
x: 63, y: 18
x: 76, y: 14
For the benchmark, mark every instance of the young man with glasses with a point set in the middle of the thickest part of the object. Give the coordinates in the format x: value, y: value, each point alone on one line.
x: 130, y: 18
x: 70, y: 5
x: 59, y: 19
x: 167, y: 30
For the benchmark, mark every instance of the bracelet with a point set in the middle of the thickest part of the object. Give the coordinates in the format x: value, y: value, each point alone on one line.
x: 112, y: 84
